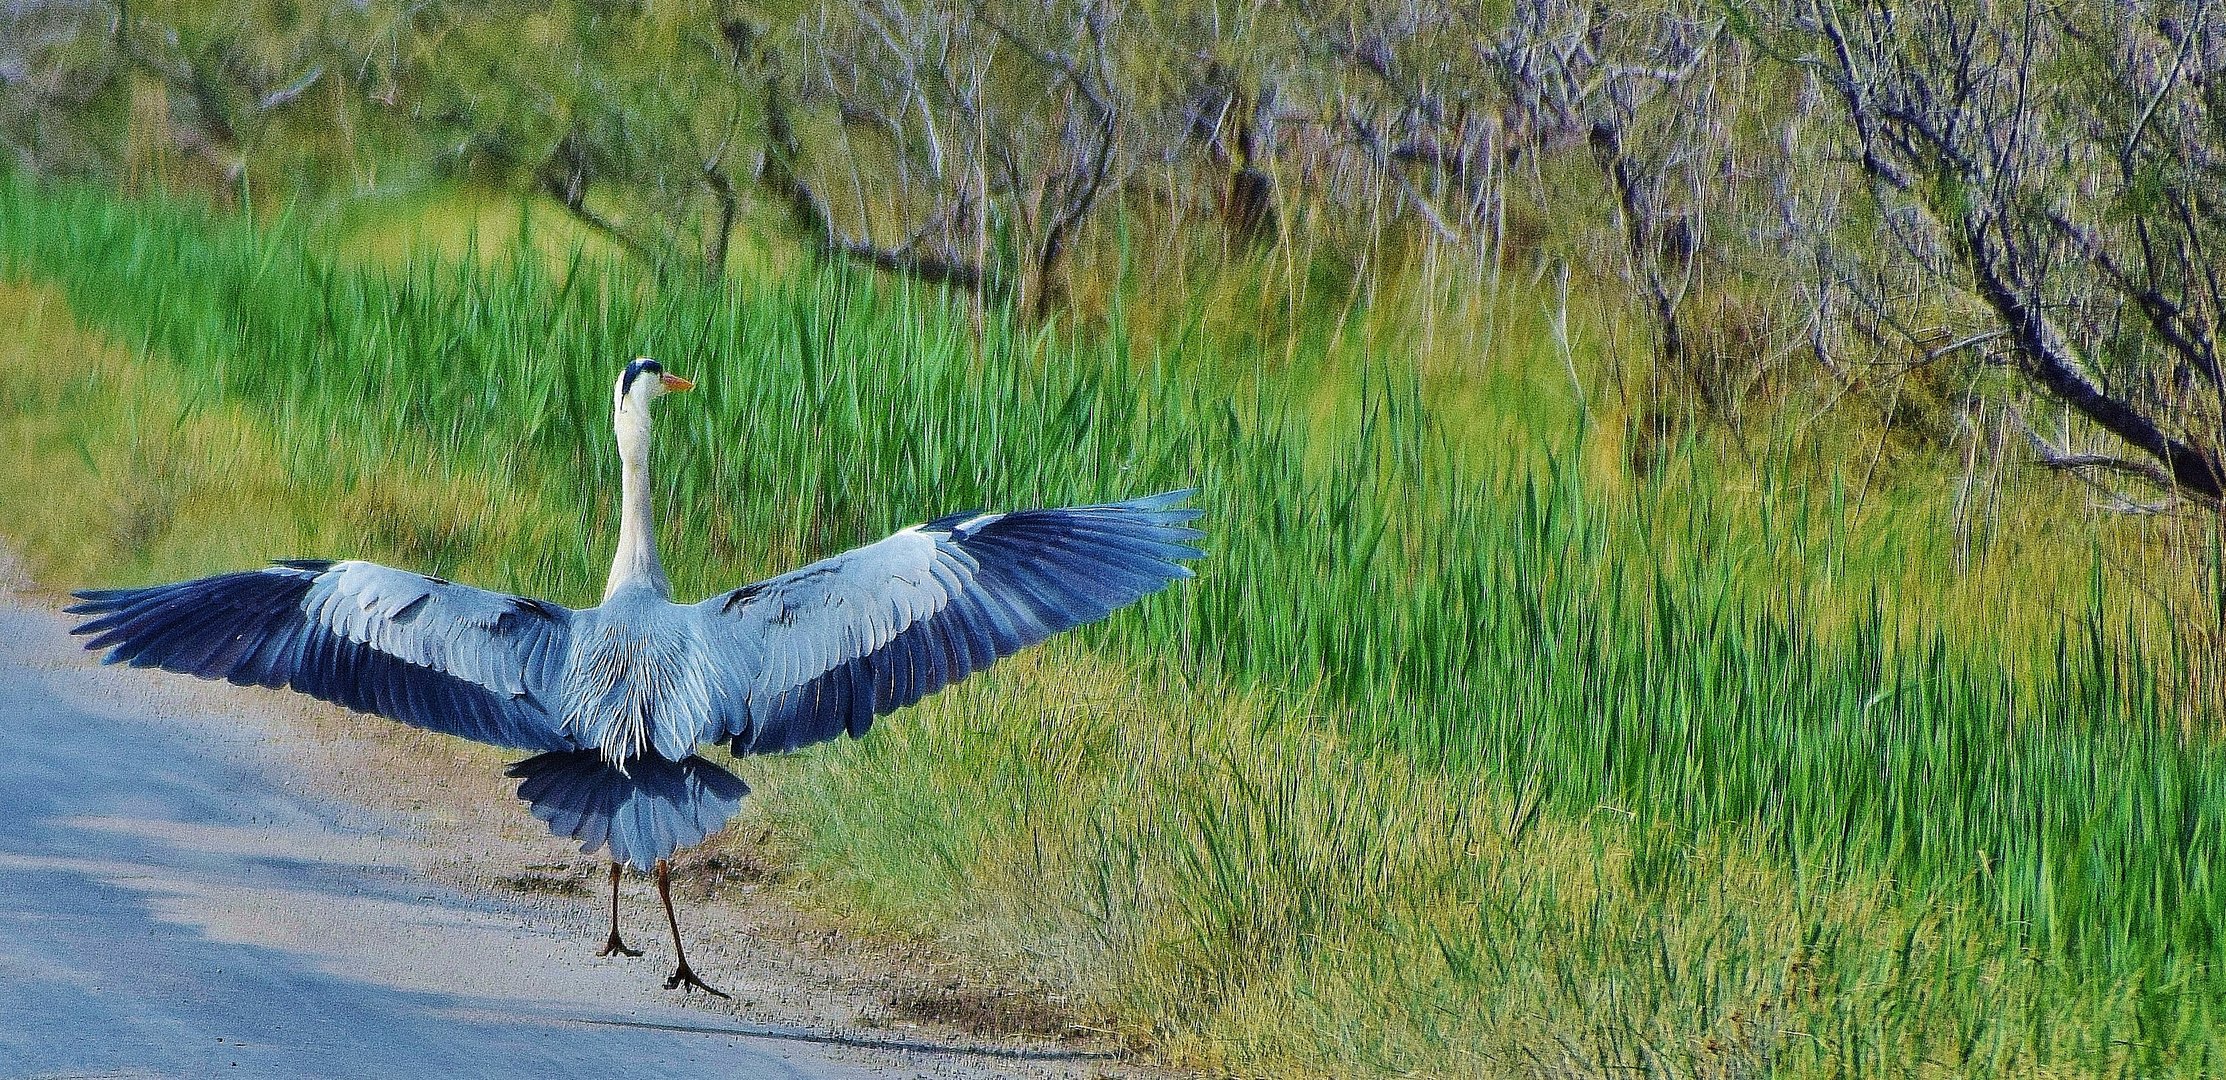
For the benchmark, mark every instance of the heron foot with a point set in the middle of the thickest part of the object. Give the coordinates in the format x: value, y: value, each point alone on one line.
x: 684, y: 978
x: 614, y: 945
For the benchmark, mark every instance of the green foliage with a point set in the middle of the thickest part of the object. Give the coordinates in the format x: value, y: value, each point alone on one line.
x: 1685, y: 685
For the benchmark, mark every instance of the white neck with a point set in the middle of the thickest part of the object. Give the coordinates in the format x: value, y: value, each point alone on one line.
x: 636, y: 562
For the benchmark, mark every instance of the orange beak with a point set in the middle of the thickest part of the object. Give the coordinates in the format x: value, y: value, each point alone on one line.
x: 675, y: 382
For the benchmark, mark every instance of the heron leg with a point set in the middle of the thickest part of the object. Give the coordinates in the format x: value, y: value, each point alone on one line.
x: 682, y: 977
x: 612, y: 944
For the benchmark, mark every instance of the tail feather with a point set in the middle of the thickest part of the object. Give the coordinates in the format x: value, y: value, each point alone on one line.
x: 649, y: 811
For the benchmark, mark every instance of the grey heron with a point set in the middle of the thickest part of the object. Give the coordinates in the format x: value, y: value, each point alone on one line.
x: 616, y: 700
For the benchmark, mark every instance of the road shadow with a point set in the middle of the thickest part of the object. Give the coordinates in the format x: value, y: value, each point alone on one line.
x: 914, y: 1046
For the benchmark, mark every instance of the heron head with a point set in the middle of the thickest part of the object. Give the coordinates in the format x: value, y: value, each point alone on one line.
x: 645, y: 381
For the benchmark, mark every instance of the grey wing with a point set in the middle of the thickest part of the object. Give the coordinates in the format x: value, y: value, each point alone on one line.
x: 804, y: 657
x: 427, y: 652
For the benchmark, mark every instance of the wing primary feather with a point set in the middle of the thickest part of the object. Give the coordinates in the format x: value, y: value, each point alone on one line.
x: 1053, y: 613
x: 884, y: 665
x: 863, y: 708
x: 969, y: 635
x: 840, y: 695
x: 935, y: 658
x: 238, y: 645
x: 1005, y: 626
x: 912, y: 672
x: 1104, y: 557
x: 950, y: 635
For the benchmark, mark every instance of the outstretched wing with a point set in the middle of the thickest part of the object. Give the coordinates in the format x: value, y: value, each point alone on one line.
x: 428, y: 652
x: 808, y: 655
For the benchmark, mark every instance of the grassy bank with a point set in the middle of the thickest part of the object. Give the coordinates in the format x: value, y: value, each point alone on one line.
x: 1458, y: 755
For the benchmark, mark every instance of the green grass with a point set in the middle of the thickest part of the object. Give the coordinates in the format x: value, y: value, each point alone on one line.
x: 1455, y: 756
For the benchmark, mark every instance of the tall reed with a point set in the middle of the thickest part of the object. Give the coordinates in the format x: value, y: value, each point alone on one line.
x: 1715, y: 674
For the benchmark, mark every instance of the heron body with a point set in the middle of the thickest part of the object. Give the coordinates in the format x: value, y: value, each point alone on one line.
x: 617, y: 699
